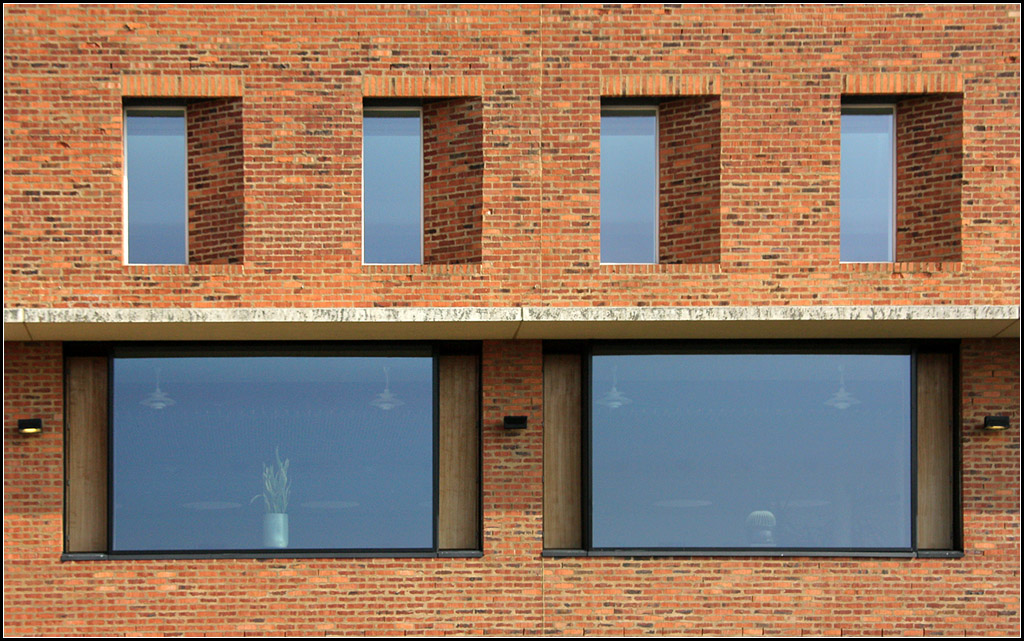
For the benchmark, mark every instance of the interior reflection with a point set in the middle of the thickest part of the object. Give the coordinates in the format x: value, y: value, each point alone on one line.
x: 239, y: 453
x: 802, y: 451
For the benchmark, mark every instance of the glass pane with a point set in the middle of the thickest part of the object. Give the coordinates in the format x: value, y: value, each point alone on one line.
x: 193, y: 438
x: 392, y: 187
x: 866, y: 188
x: 629, y: 187
x: 156, y: 166
x: 751, y: 450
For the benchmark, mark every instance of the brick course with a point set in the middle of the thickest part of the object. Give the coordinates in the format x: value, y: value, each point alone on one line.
x: 512, y: 589
x: 539, y: 73
x: 929, y: 162
x: 525, y: 84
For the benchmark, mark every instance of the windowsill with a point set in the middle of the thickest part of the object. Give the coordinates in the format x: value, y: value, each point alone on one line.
x: 183, y: 556
x: 184, y: 269
x: 440, y: 268
x: 940, y: 554
x: 904, y: 267
x: 753, y: 553
x: 660, y: 268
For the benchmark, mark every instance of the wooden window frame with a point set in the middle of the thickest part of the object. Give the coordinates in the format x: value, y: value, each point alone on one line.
x: 456, y: 451
x: 936, y: 505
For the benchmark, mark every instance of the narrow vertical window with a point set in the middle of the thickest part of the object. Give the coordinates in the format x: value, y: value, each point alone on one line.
x: 155, y: 173
x: 392, y: 186
x: 629, y: 185
x: 867, y: 185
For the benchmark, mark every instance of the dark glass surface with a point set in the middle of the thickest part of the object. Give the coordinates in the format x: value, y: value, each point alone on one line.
x: 155, y: 166
x: 751, y: 451
x: 191, y: 437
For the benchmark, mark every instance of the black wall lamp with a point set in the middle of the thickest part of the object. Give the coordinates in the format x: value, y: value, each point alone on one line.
x: 30, y: 425
x: 515, y: 423
x: 997, y: 423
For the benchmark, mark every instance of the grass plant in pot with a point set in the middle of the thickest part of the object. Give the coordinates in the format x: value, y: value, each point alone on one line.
x: 276, y: 488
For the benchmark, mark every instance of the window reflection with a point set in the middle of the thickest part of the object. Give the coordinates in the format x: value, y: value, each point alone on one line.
x: 191, y: 475
x: 629, y: 185
x: 866, y: 192
x: 155, y: 168
x: 751, y: 450
x: 392, y: 186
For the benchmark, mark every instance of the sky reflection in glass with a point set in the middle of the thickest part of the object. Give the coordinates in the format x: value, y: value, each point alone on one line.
x: 156, y: 166
x: 189, y: 476
x: 866, y: 188
x: 629, y: 186
x: 392, y: 187
x: 707, y: 441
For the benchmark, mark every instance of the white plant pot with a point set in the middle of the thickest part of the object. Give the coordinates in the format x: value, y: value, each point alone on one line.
x: 275, y: 530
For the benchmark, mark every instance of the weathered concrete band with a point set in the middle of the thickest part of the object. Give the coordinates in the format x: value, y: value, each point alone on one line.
x: 476, y: 323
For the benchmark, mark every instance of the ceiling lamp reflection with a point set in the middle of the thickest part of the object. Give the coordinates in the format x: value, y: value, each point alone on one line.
x: 386, y: 400
x: 158, y: 399
x: 842, y: 399
x: 614, y: 399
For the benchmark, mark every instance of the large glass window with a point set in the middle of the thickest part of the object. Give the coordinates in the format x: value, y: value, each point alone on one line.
x: 392, y: 186
x: 629, y: 185
x: 290, y: 451
x: 155, y: 172
x: 741, y: 451
x: 867, y: 185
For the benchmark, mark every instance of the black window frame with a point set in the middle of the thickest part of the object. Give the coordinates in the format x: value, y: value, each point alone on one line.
x: 587, y: 349
x: 168, y: 349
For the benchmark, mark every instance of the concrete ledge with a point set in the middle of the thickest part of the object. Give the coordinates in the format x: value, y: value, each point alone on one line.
x: 478, y: 323
x: 818, y: 322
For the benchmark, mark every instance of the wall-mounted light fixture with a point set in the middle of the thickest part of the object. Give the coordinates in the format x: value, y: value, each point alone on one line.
x: 997, y: 423
x: 515, y: 423
x: 30, y: 425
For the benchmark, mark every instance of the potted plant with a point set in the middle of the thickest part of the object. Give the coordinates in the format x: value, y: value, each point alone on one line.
x: 276, y: 488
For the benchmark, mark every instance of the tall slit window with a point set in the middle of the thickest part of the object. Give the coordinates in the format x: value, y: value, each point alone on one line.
x: 392, y: 185
x: 629, y: 184
x: 867, y: 184
x: 155, y: 185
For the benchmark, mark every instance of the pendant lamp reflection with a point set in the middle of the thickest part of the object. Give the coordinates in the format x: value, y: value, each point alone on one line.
x: 614, y: 399
x: 386, y: 400
x: 158, y: 399
x: 842, y: 399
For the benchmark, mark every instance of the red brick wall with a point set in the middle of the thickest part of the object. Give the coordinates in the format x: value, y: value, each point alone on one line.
x: 453, y: 172
x: 215, y: 181
x: 690, y: 164
x: 929, y: 164
x: 990, y: 381
x: 539, y: 73
x: 532, y: 78
x: 512, y: 589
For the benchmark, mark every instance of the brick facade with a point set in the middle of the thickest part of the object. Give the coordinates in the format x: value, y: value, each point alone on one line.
x: 511, y: 98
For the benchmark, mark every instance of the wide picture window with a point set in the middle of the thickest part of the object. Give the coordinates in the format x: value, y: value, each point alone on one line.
x: 288, y: 451
x: 751, y: 451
